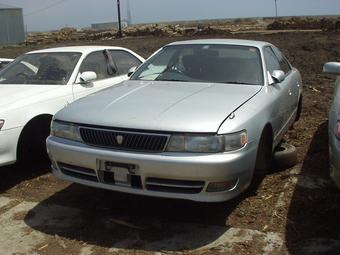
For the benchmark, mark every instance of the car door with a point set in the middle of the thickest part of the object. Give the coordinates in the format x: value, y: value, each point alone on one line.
x: 280, y: 93
x: 292, y: 80
x: 107, y: 74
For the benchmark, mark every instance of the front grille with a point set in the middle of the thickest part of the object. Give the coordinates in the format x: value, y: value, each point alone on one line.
x: 78, y: 172
x: 123, y: 140
x: 174, y: 186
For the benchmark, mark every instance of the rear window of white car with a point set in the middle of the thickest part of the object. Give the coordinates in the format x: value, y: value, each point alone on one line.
x: 213, y: 63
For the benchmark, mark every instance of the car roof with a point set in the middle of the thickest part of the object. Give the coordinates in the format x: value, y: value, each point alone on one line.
x: 81, y: 49
x: 258, y: 44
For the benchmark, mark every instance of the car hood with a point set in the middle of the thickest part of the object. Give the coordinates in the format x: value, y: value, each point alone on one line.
x: 13, y: 94
x: 160, y: 106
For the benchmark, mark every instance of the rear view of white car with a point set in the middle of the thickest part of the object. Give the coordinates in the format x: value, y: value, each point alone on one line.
x: 38, y: 84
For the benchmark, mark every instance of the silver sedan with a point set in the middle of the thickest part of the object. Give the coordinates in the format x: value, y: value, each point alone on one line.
x: 334, y: 124
x: 193, y: 122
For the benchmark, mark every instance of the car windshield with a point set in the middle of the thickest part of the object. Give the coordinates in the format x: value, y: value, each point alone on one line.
x: 52, y: 68
x: 213, y: 63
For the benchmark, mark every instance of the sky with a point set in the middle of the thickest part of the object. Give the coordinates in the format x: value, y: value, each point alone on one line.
x: 44, y: 15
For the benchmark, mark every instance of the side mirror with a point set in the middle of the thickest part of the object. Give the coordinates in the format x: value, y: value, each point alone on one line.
x: 278, y: 76
x: 332, y: 68
x: 132, y: 70
x: 87, y: 77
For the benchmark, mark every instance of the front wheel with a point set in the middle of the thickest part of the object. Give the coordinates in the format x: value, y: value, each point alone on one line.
x: 264, y: 155
x: 31, y: 149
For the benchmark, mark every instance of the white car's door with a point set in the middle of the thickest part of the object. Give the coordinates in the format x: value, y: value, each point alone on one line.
x: 107, y: 74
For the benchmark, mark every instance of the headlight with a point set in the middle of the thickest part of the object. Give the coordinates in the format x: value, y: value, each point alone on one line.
x: 207, y: 143
x: 2, y: 122
x: 65, y: 130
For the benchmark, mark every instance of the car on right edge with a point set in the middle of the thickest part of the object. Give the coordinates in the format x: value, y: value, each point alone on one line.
x: 193, y: 122
x: 334, y: 124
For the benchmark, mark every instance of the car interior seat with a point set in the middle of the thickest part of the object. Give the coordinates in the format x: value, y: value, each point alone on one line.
x: 50, y: 70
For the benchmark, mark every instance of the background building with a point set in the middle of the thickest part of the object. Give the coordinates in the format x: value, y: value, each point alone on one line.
x: 109, y: 25
x: 11, y: 25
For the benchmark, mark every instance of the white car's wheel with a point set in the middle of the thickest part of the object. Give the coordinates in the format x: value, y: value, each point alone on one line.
x: 32, y: 142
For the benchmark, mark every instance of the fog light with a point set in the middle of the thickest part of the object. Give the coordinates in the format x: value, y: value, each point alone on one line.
x: 222, y: 186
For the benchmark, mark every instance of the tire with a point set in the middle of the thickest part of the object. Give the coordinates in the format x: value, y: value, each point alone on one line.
x: 264, y: 155
x: 285, y: 156
x: 32, y: 144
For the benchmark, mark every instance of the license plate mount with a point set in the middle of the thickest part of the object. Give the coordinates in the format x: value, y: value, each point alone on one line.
x: 117, y: 173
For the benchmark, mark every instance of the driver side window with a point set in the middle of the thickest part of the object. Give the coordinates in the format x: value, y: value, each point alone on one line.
x: 271, y: 60
x: 96, y: 62
x: 282, y: 60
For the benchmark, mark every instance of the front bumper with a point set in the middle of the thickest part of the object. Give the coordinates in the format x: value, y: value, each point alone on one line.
x: 8, y: 145
x: 175, y: 171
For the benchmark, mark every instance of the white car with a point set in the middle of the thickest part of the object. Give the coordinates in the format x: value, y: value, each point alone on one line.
x: 38, y: 84
x: 5, y: 61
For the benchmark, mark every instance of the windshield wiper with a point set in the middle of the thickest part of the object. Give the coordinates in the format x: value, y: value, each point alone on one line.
x: 171, y: 80
x: 238, y: 82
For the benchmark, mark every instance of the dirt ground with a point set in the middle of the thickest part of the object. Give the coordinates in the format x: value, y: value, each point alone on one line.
x: 288, y: 211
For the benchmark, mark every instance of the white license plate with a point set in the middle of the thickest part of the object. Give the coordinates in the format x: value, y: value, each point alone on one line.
x: 121, y: 175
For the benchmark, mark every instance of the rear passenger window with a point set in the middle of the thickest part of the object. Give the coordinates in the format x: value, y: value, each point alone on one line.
x: 284, y: 65
x: 124, y: 61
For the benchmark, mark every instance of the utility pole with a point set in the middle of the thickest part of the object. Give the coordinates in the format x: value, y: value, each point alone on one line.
x: 275, y: 8
x: 119, y: 34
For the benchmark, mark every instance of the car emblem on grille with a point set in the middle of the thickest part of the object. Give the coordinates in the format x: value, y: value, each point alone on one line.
x: 119, y: 139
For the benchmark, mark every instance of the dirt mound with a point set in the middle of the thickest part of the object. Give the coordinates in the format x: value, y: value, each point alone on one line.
x: 173, y: 30
x: 326, y: 24
x: 71, y: 34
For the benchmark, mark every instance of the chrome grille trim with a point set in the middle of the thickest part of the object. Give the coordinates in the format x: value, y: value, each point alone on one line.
x: 78, y: 172
x: 132, y: 140
x: 174, y: 186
